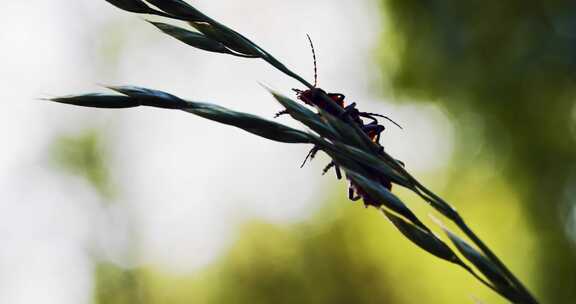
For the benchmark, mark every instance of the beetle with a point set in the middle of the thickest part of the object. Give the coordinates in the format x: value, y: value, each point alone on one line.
x: 315, y: 97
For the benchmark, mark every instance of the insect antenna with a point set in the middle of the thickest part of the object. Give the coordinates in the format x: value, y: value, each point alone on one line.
x: 314, y: 57
x: 310, y: 155
x: 385, y: 117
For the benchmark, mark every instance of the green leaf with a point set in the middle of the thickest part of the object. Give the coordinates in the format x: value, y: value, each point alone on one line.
x: 194, y: 39
x: 97, y: 100
x: 424, y: 239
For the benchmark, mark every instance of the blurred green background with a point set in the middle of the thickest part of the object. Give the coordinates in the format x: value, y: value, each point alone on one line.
x: 485, y: 90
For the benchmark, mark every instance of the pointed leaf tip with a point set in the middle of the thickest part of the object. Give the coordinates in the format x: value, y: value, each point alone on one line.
x: 193, y: 39
x: 98, y: 100
x: 180, y: 9
x: 134, y: 6
x: 230, y: 38
x: 422, y: 238
x: 491, y: 271
x: 150, y: 97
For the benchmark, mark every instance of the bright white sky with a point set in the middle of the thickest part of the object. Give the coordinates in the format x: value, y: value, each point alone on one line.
x: 185, y: 182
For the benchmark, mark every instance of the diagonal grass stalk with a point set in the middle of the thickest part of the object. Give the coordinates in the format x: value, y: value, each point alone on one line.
x: 364, y: 161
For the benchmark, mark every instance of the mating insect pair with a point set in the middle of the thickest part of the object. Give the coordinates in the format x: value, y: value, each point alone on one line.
x: 316, y: 97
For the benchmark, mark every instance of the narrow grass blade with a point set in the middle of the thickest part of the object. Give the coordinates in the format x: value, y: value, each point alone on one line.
x: 179, y: 9
x: 345, y: 130
x: 500, y: 283
x: 98, y: 100
x: 248, y: 122
x: 150, y: 97
x: 342, y: 159
x: 305, y: 116
x: 228, y: 37
x: 373, y: 163
x: 134, y: 6
x: 194, y: 39
x: 136, y: 96
x: 424, y: 239
x: 382, y: 196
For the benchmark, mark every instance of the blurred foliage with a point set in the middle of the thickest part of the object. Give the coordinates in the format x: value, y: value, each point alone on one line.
x: 118, y: 286
x: 505, y: 70
x: 84, y: 155
x: 270, y: 264
x: 344, y: 254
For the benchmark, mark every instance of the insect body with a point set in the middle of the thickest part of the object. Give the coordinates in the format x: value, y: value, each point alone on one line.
x: 313, y: 97
x: 317, y: 97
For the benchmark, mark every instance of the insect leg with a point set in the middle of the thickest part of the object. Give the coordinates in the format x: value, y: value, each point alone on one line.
x: 338, y: 173
x: 353, y: 113
x: 310, y: 155
x: 375, y: 128
x: 370, y: 115
x: 350, y: 106
x: 352, y: 194
x: 351, y: 110
x: 280, y: 113
x: 336, y: 168
x: 328, y: 167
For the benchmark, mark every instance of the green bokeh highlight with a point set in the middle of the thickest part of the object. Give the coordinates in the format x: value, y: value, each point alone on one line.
x: 505, y: 71
x: 344, y: 254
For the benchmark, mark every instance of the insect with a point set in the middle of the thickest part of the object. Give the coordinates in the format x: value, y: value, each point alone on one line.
x: 315, y: 97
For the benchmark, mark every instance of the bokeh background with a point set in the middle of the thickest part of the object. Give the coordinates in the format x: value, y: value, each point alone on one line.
x: 155, y: 206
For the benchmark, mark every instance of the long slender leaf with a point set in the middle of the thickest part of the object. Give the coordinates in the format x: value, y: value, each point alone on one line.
x: 150, y: 97
x: 382, y: 196
x: 423, y: 238
x: 134, y: 6
x: 346, y: 131
x: 194, y: 39
x: 180, y: 9
x: 304, y: 115
x: 98, y: 100
x: 232, y: 39
x: 486, y: 267
x: 373, y: 163
x: 251, y: 123
x: 136, y: 96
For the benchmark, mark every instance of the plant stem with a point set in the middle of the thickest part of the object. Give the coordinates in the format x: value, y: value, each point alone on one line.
x: 455, y: 217
x: 509, y: 275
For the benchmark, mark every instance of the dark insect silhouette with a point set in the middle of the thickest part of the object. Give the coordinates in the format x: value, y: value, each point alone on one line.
x: 316, y: 97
